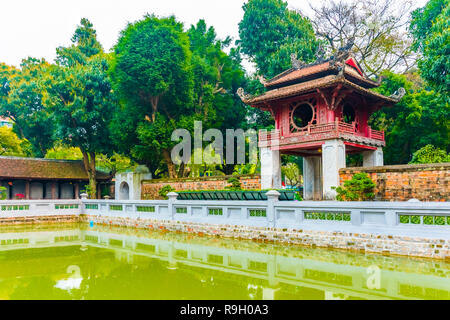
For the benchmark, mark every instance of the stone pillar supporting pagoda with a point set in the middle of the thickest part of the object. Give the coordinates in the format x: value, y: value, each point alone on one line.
x: 321, y: 113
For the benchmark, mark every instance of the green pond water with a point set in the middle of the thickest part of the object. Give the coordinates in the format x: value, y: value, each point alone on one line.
x: 80, y: 262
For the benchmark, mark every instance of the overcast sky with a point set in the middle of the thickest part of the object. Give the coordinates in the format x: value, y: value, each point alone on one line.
x: 36, y: 27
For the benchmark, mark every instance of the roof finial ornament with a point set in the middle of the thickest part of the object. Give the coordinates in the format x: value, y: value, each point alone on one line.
x: 296, y: 64
x: 398, y: 95
x: 244, y: 96
x: 380, y: 79
x: 320, y: 53
x: 348, y: 47
x: 262, y: 80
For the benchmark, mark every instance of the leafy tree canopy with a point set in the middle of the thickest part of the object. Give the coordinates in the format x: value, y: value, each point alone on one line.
x: 430, y: 154
x: 430, y: 27
x: 420, y: 118
x: 10, y: 144
x: 22, y: 101
x: 80, y: 98
x: 270, y: 32
x: 152, y: 76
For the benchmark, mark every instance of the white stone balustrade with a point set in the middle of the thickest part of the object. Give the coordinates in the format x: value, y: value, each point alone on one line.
x: 427, y: 219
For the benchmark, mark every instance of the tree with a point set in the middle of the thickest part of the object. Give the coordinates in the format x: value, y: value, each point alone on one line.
x: 153, y: 79
x: 377, y: 28
x: 217, y: 76
x: 430, y: 27
x: 10, y: 144
x: 23, y: 103
x: 420, y: 118
x: 292, y: 172
x: 81, y: 100
x: 430, y: 154
x: 270, y: 32
x: 84, y: 45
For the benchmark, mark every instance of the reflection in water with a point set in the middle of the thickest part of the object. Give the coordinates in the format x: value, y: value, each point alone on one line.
x: 74, y: 281
x: 73, y: 262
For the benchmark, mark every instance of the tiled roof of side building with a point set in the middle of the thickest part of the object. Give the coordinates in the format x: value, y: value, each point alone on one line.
x: 34, y: 168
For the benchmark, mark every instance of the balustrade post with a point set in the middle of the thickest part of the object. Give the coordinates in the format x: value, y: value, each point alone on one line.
x: 171, y: 204
x: 272, y: 198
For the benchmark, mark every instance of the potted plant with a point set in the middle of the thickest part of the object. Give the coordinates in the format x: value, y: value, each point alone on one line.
x: 20, y: 196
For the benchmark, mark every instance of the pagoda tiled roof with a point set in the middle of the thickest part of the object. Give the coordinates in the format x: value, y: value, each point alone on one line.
x: 311, y: 86
x: 46, y: 169
x: 320, y: 69
x: 343, y: 69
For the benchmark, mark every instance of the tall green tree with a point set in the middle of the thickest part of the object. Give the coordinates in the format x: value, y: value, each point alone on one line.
x: 270, y: 32
x: 420, y: 118
x: 152, y: 76
x: 80, y: 97
x: 21, y: 100
x: 84, y: 45
x: 217, y: 76
x: 430, y: 27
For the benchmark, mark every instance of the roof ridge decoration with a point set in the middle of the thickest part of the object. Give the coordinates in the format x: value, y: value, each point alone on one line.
x: 262, y: 80
x: 398, y: 95
x: 296, y: 64
x: 342, y: 53
x: 320, y: 54
x: 245, y: 97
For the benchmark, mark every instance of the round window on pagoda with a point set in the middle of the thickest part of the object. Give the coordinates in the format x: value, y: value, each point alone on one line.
x: 302, y: 114
x: 348, y: 114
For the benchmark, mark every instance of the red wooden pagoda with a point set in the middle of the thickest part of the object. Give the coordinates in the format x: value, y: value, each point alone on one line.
x: 321, y: 113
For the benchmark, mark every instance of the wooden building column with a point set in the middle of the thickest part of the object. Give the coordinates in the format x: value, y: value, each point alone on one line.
x: 54, y: 191
x: 27, y: 189
x: 77, y: 190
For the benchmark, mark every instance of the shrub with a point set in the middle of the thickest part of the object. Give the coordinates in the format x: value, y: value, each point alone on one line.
x: 235, y: 184
x: 165, y: 190
x: 359, y: 188
x: 430, y: 154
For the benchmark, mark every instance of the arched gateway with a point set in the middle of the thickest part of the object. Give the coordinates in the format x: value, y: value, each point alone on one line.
x: 321, y: 112
x: 124, y: 191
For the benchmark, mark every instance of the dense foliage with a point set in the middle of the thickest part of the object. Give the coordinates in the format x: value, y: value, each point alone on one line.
x: 22, y: 101
x: 11, y: 145
x: 420, y: 118
x: 270, y: 32
x: 430, y: 154
x: 430, y: 27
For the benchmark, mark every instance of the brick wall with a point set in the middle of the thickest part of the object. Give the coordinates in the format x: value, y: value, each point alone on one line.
x: 425, y: 182
x: 151, y: 188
